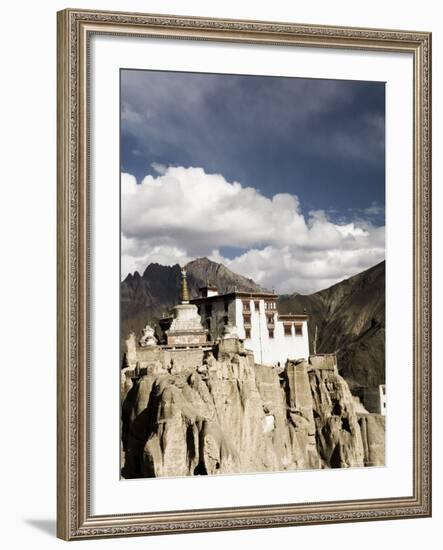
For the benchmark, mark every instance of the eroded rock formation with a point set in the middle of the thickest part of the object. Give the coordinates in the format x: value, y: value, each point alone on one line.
x: 226, y: 414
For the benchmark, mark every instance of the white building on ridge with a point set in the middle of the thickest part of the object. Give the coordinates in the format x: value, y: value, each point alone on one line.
x: 272, y: 337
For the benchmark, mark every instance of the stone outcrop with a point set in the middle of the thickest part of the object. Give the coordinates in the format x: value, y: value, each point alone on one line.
x: 224, y: 414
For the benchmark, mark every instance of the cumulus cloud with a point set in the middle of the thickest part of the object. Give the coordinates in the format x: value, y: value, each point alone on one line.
x: 183, y: 213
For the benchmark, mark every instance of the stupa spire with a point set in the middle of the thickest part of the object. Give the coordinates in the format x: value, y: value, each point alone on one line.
x: 184, y: 292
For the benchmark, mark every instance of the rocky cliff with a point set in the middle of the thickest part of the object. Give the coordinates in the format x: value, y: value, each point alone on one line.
x: 229, y: 415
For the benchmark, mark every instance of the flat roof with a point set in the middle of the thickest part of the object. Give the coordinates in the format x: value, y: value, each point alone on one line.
x: 252, y: 296
x: 234, y: 294
x: 290, y: 316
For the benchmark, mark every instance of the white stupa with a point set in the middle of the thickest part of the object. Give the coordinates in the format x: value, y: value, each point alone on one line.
x: 186, y: 328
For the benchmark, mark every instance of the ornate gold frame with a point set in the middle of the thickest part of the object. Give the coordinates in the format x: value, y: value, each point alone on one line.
x: 74, y: 519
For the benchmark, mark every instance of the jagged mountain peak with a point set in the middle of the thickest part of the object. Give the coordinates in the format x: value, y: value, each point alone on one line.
x: 207, y: 271
x: 155, y: 269
x: 200, y: 261
x: 131, y: 277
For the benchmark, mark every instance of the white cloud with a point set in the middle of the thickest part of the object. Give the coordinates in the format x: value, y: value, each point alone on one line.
x: 374, y: 210
x: 159, y: 168
x: 134, y: 259
x: 371, y: 211
x: 129, y: 115
x: 185, y: 213
x: 284, y: 270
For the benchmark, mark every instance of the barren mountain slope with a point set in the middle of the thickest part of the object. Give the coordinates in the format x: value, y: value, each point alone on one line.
x: 350, y: 319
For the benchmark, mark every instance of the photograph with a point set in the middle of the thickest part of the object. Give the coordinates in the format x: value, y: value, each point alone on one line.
x: 226, y: 228
x: 243, y: 272
x: 252, y: 274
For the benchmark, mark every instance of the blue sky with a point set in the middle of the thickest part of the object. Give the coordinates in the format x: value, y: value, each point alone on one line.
x: 320, y: 141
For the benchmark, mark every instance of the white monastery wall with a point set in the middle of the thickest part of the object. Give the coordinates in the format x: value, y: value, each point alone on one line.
x: 267, y: 350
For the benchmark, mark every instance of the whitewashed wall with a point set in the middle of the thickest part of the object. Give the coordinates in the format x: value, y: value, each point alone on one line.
x: 270, y: 351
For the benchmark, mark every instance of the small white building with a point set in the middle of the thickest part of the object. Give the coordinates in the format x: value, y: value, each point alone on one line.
x: 272, y: 337
x: 373, y: 398
x: 382, y: 390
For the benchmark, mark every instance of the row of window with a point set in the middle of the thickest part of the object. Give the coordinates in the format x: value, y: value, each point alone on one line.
x: 247, y: 319
x: 248, y: 333
x: 268, y: 305
x: 246, y: 307
x: 298, y: 329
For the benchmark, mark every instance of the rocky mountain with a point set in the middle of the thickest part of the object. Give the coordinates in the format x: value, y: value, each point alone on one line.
x: 349, y: 318
x: 224, y: 414
x: 147, y: 297
x: 217, y: 412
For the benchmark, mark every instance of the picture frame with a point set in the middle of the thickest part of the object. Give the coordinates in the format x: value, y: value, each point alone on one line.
x: 75, y: 520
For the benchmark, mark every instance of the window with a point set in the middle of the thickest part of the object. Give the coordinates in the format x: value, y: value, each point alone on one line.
x: 271, y: 333
x: 247, y: 318
x: 226, y: 307
x: 298, y: 330
x: 257, y: 305
x: 247, y: 333
x: 288, y: 330
x: 208, y: 310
